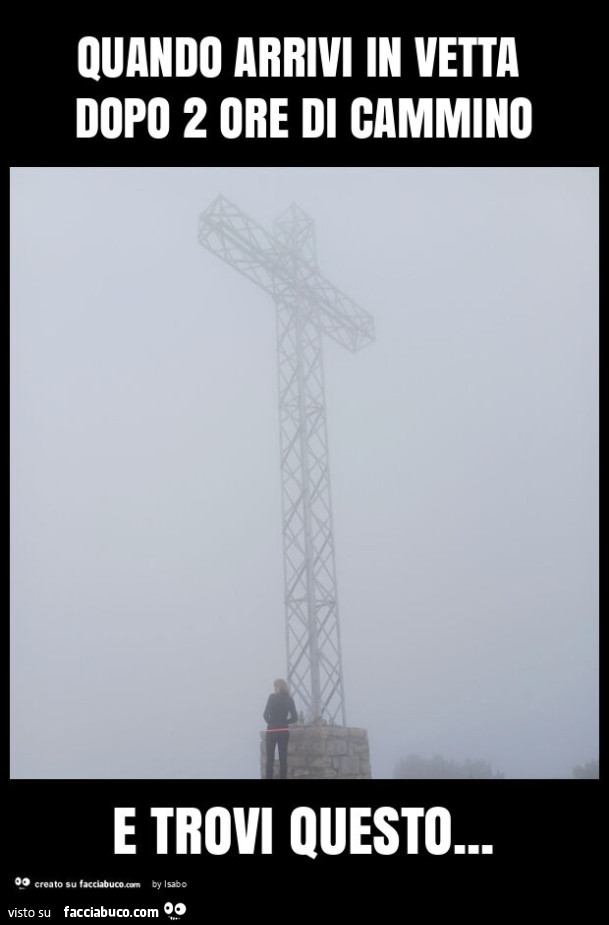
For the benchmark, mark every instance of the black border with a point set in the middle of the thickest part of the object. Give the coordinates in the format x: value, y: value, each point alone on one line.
x: 545, y: 833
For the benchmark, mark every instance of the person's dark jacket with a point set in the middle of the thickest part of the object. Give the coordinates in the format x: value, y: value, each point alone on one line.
x: 280, y: 711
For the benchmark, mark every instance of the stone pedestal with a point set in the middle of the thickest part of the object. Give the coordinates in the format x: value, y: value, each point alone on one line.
x: 324, y: 752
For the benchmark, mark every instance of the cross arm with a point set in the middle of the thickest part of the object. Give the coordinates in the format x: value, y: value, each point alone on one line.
x: 234, y: 237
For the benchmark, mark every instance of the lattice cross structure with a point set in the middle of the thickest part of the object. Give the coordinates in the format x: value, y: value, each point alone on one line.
x: 308, y: 307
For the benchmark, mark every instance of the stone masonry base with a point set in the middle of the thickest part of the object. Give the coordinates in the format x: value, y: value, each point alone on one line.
x: 324, y: 752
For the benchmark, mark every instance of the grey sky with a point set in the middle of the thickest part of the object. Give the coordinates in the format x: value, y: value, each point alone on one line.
x: 147, y: 614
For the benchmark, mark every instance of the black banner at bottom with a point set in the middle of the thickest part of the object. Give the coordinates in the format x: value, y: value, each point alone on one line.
x: 162, y: 849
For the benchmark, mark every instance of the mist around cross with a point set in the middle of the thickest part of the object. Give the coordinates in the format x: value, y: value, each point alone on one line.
x: 147, y: 605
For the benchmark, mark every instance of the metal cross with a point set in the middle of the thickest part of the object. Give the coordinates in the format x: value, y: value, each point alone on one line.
x: 308, y: 307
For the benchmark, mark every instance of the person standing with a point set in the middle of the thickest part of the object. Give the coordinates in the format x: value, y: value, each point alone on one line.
x: 279, y: 713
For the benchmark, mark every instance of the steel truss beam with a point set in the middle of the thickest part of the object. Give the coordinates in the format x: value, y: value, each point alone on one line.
x: 308, y: 307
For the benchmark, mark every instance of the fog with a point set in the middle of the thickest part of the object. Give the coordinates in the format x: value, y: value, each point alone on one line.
x: 147, y: 620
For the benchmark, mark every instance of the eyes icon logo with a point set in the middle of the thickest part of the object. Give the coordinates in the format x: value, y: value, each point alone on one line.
x: 22, y: 882
x: 179, y: 910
